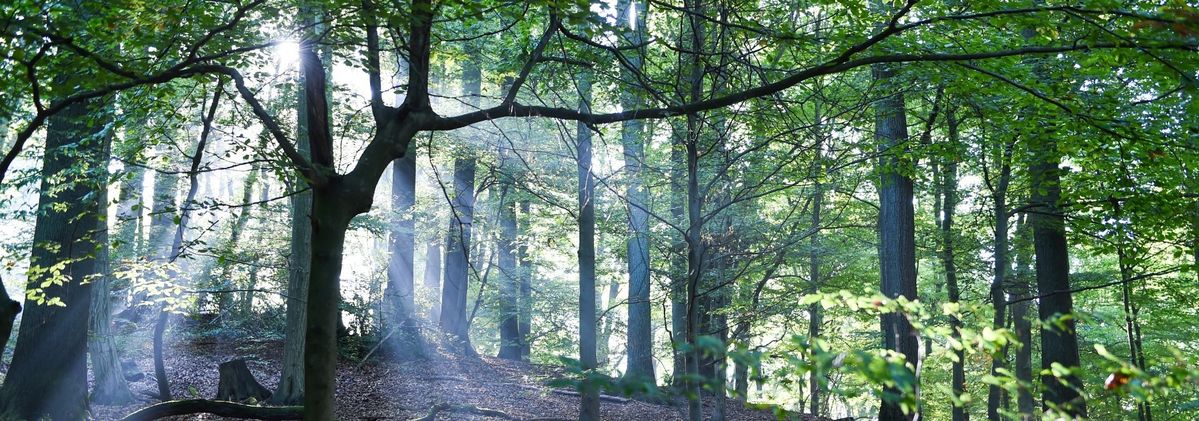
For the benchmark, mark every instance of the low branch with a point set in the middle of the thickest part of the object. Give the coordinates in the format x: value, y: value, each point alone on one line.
x: 220, y: 408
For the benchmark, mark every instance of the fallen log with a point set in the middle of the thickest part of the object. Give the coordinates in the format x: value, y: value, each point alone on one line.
x: 220, y: 408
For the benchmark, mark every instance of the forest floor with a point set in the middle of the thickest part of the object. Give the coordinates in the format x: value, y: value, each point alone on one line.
x: 381, y: 390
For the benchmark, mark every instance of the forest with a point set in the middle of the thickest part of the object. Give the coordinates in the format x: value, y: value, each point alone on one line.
x: 599, y: 209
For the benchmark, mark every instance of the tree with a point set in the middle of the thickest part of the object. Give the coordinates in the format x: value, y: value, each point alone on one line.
x: 48, y: 373
x: 640, y: 366
x: 896, y: 228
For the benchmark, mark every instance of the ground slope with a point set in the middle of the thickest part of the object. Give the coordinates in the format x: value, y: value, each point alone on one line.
x: 379, y: 390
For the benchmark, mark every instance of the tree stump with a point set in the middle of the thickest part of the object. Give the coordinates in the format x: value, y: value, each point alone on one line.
x: 237, y: 384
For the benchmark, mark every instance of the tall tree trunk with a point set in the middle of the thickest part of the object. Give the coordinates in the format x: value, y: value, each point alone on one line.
x: 399, y: 301
x: 48, y: 373
x: 510, y: 337
x: 457, y: 260
x: 330, y: 220
x: 949, y: 193
x: 525, y: 271
x: 678, y: 253
x: 458, y: 238
x: 225, y: 301
x: 433, y: 277
x: 639, y: 346
x: 815, y: 277
x: 1059, y: 345
x: 1021, y: 324
x: 1131, y: 324
x: 897, y: 248
x: 589, y: 391
x: 290, y: 390
x: 109, y: 386
x: 995, y: 394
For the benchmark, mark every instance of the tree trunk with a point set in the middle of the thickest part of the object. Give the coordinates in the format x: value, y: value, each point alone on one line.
x: 678, y: 253
x: 896, y: 228
x: 949, y: 187
x: 48, y: 373
x: 109, y: 385
x: 995, y: 394
x: 588, y: 391
x: 1020, y: 322
x: 458, y: 237
x: 330, y: 220
x: 433, y: 277
x: 399, y: 300
x: 1058, y: 345
x: 457, y: 259
x: 510, y: 338
x: 237, y: 384
x: 639, y: 346
x: 290, y: 390
x: 525, y: 271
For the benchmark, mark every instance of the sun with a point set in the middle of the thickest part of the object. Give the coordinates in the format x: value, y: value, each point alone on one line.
x: 287, y: 53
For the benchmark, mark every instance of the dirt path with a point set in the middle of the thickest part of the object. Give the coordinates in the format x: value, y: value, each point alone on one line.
x: 398, y: 391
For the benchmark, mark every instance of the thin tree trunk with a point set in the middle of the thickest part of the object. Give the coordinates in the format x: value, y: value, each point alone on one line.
x: 1002, y: 262
x: 525, y: 271
x: 678, y: 253
x: 109, y: 385
x: 1025, y: 404
x: 48, y: 373
x: 949, y: 194
x: 589, y: 392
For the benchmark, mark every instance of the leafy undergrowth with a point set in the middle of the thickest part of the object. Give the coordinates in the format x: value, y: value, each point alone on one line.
x: 383, y: 390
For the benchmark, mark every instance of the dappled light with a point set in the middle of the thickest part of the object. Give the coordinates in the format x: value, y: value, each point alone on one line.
x: 599, y: 210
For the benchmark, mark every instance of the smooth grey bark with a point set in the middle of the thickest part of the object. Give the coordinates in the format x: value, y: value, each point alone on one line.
x: 129, y: 214
x: 48, y: 373
x: 589, y: 391
x: 109, y: 385
x: 640, y: 342
x: 897, y: 243
x: 1132, y: 323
